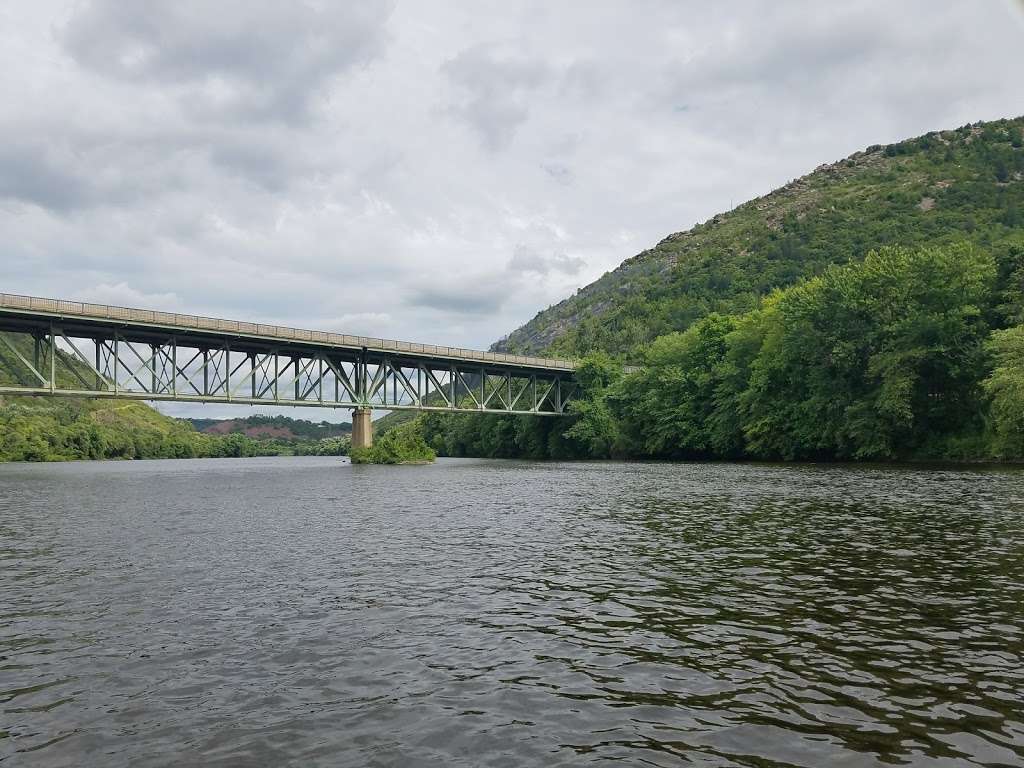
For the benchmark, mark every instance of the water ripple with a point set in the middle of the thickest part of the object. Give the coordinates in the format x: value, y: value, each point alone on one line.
x: 302, y: 612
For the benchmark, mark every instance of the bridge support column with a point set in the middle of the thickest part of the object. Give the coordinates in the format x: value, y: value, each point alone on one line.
x: 362, y: 427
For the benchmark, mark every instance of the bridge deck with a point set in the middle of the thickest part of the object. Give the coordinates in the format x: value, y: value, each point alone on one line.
x: 55, y: 347
x: 172, y: 321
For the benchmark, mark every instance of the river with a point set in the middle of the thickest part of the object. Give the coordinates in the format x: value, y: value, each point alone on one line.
x: 304, y: 612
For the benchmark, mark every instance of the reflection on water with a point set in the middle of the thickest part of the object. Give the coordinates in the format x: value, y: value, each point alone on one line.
x: 304, y: 612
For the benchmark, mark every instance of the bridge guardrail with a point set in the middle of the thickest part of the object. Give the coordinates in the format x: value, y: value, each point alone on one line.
x: 199, y: 322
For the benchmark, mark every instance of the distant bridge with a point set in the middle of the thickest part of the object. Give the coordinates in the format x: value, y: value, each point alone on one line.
x: 69, y: 348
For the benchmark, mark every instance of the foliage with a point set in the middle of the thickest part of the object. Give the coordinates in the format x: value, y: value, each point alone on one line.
x: 595, y: 431
x: 500, y: 436
x: 37, y: 429
x: 403, y: 444
x: 876, y: 360
x: 329, y: 446
x: 881, y: 359
x: 1005, y: 387
x: 669, y: 406
x: 302, y: 429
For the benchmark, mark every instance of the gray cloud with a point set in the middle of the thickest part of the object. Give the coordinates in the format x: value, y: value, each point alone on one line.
x: 496, y: 83
x: 67, y: 173
x: 461, y: 297
x: 526, y: 259
x: 558, y: 171
x: 257, y: 59
x: 36, y: 173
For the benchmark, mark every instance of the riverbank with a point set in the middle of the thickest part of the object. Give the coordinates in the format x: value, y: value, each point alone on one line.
x: 44, y: 429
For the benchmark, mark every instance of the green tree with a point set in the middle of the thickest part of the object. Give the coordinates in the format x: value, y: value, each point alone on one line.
x: 669, y: 405
x: 873, y: 360
x: 1005, y: 388
x: 595, y: 429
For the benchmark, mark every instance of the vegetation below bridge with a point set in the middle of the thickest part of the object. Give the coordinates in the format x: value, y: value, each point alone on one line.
x: 403, y: 444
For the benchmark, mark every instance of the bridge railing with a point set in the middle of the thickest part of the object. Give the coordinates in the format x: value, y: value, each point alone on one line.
x: 199, y: 322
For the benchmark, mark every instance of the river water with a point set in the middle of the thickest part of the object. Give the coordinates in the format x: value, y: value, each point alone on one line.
x: 305, y: 612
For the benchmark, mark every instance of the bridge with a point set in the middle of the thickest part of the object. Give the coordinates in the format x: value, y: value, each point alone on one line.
x: 68, y: 348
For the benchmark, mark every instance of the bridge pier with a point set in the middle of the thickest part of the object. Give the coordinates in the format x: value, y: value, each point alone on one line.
x: 362, y: 427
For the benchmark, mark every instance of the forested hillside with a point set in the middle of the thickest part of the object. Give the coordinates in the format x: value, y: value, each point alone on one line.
x: 64, y: 429
x: 276, y: 427
x: 60, y: 429
x: 872, y: 309
x: 944, y: 187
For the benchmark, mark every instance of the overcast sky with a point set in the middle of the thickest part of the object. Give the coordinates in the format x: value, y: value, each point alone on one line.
x: 438, y: 171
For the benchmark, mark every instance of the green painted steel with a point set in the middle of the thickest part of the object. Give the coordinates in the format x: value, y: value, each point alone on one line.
x: 90, y: 350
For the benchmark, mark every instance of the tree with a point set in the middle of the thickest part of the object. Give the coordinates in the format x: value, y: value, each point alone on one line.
x: 1005, y: 388
x: 595, y: 430
x: 403, y: 444
x: 670, y: 403
x: 872, y: 360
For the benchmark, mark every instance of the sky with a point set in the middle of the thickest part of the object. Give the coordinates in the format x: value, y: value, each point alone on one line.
x: 437, y: 171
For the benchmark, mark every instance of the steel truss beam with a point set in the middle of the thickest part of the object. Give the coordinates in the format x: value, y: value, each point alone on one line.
x: 51, y: 360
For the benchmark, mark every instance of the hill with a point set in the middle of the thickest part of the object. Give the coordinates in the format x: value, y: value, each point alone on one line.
x: 273, y: 427
x: 943, y: 187
x: 62, y: 429
x: 872, y: 309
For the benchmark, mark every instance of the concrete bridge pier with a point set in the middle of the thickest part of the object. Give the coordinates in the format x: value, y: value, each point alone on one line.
x: 362, y: 427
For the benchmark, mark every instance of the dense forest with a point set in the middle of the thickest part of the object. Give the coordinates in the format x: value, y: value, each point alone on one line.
x: 873, y: 309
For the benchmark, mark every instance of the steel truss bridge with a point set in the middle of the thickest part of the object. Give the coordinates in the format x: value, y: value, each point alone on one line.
x: 54, y: 347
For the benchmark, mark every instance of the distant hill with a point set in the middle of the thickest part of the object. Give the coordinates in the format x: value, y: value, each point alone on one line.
x: 273, y: 427
x: 945, y: 186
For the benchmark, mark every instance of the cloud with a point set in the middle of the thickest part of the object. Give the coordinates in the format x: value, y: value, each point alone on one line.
x: 526, y: 259
x: 481, y: 294
x: 357, y: 323
x: 253, y: 59
x: 559, y: 172
x: 496, y: 84
x: 123, y: 295
x: 462, y: 296
x: 41, y: 174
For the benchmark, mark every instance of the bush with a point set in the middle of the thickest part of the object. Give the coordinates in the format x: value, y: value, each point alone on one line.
x: 403, y: 444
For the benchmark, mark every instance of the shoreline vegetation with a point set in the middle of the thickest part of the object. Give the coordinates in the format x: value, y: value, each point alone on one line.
x: 44, y: 429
